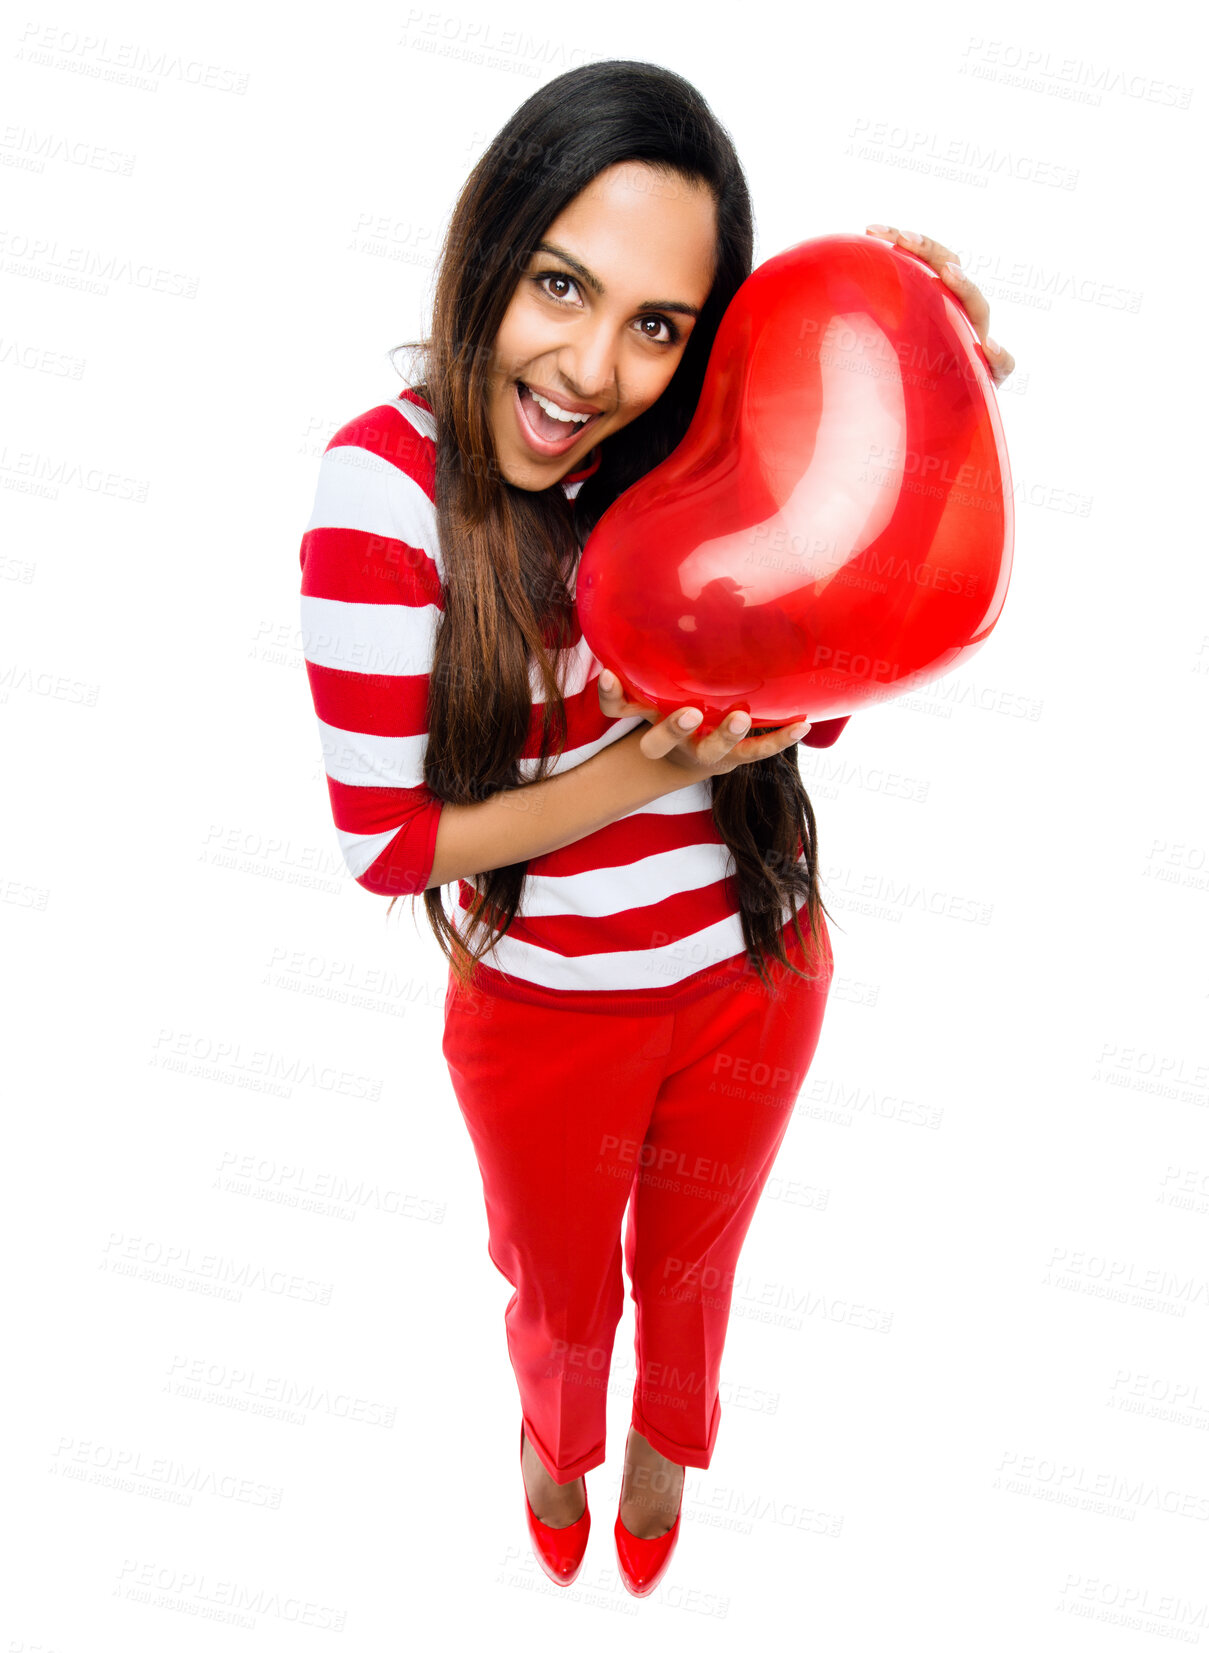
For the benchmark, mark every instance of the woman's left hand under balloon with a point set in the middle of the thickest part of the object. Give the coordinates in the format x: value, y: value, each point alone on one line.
x: 614, y: 704
x: 948, y: 267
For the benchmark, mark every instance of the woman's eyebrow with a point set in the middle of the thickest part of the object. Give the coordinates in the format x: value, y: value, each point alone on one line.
x: 598, y: 286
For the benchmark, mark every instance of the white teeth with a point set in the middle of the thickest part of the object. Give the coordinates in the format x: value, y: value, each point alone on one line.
x: 555, y: 412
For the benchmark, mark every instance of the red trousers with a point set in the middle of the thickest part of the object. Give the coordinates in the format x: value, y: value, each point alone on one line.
x: 576, y: 1116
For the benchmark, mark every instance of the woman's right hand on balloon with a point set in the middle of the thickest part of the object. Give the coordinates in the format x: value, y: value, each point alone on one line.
x: 717, y: 753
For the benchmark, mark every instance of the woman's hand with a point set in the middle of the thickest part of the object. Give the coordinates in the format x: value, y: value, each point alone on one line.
x: 717, y: 753
x: 948, y: 267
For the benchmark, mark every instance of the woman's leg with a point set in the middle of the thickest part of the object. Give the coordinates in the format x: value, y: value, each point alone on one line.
x: 737, y: 1063
x: 547, y: 1097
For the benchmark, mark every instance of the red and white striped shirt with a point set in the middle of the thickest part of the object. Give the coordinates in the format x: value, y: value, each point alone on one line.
x: 636, y: 917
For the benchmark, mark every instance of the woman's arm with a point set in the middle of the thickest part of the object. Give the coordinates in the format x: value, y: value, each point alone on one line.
x: 527, y: 821
x: 370, y: 604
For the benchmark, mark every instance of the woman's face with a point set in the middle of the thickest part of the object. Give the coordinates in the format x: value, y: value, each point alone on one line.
x: 599, y: 325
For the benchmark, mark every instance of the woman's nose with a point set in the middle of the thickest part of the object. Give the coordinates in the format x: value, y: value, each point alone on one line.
x: 589, y: 366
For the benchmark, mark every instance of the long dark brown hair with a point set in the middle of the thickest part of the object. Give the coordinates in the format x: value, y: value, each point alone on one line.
x: 506, y: 551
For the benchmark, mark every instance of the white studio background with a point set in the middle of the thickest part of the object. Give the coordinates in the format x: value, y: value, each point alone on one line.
x: 257, y: 1370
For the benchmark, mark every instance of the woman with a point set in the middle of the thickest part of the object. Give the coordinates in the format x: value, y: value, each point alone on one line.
x: 615, y: 1036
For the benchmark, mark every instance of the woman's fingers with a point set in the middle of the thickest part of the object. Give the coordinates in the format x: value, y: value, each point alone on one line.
x: 790, y: 735
x: 948, y: 267
x: 724, y: 741
x: 670, y: 732
x: 613, y: 702
x: 680, y: 729
x: 1002, y: 361
x: 769, y: 744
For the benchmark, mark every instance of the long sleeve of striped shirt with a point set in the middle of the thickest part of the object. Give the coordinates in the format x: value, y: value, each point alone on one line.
x: 370, y: 603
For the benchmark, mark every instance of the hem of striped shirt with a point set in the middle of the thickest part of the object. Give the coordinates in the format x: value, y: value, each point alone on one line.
x: 735, y: 972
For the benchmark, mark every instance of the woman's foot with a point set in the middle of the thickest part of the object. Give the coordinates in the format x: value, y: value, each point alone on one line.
x: 650, y: 1489
x: 554, y: 1505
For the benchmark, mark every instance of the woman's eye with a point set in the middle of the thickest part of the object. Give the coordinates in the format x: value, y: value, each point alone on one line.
x: 660, y: 321
x: 554, y: 275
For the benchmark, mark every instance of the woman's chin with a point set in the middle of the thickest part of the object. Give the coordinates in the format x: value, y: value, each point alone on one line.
x: 531, y: 474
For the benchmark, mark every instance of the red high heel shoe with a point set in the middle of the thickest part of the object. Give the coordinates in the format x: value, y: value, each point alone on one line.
x: 559, y: 1550
x: 643, y: 1561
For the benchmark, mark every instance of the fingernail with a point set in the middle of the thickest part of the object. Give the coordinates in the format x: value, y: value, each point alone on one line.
x: 738, y: 724
x: 607, y: 681
x: 955, y: 270
x: 911, y: 235
x: 689, y: 720
x: 995, y: 349
x: 877, y: 229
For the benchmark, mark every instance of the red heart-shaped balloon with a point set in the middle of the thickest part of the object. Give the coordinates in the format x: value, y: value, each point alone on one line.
x: 835, y: 528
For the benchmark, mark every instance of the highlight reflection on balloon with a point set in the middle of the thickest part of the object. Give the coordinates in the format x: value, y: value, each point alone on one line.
x: 836, y: 526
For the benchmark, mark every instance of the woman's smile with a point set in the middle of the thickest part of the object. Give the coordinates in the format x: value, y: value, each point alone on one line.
x: 548, y: 435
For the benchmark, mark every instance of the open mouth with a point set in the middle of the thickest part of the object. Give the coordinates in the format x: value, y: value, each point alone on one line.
x: 546, y: 434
